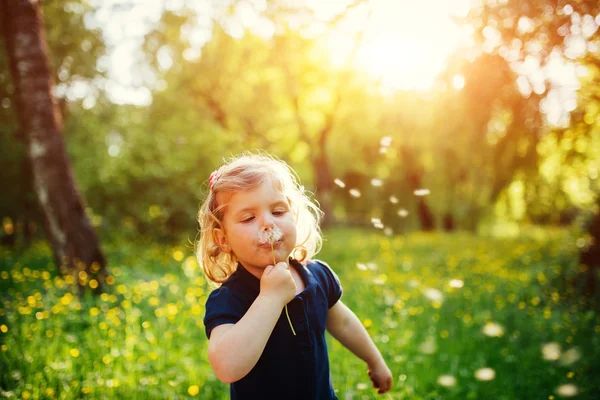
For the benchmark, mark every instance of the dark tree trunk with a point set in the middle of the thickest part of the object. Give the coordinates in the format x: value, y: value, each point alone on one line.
x: 590, y: 257
x: 67, y: 226
x: 414, y: 178
x: 448, y: 222
x: 324, y: 180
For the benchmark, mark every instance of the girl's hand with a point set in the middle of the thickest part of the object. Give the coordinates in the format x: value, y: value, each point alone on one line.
x: 277, y: 282
x: 381, y: 376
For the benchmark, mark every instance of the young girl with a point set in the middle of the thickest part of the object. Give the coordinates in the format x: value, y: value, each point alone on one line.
x: 266, y: 321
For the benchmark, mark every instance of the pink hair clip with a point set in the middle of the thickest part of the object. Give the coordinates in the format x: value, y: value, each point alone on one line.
x: 214, y: 177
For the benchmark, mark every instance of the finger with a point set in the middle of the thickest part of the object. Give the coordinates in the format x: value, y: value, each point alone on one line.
x: 268, y: 270
x: 282, y: 264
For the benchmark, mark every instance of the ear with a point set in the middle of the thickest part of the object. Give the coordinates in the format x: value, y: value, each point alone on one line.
x: 221, y: 239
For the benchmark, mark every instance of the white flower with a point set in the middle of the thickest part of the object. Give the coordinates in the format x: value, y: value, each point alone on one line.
x: 568, y: 390
x: 485, y: 374
x: 270, y: 235
x: 446, y: 380
x: 493, y: 329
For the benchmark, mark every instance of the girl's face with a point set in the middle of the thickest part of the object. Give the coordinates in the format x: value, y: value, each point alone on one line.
x: 247, y: 216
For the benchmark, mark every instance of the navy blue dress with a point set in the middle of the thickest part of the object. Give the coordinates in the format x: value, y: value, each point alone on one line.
x: 290, y: 367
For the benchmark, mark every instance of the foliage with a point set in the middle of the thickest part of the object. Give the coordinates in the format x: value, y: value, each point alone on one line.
x: 73, y: 53
x: 442, y: 305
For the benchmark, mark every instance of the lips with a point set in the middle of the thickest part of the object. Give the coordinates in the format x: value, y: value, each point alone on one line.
x: 268, y: 245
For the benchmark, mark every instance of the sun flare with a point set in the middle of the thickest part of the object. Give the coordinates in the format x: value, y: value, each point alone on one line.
x: 404, y: 44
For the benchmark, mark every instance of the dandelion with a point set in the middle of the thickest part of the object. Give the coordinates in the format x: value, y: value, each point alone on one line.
x: 570, y: 356
x: 492, y: 329
x: 361, y: 386
x: 433, y: 294
x: 339, y: 182
x: 376, y: 182
x: 377, y: 223
x: 485, y: 374
x: 568, y: 390
x: 385, y: 141
x: 428, y: 346
x: 354, y: 193
x: 551, y: 351
x: 402, y: 213
x: 421, y: 192
x: 393, y: 200
x: 270, y: 236
x: 446, y: 380
x: 193, y: 390
x: 456, y: 283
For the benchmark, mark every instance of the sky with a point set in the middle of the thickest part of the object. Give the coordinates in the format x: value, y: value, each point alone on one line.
x: 405, y: 44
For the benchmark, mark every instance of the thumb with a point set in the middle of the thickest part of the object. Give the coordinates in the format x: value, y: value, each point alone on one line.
x: 268, y: 270
x: 282, y: 264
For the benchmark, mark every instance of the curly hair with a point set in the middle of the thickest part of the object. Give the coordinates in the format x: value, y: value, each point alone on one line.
x: 246, y: 172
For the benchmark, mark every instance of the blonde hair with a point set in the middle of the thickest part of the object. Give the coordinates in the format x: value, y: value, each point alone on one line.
x: 246, y: 172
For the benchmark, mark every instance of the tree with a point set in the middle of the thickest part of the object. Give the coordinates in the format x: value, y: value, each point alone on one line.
x: 73, y: 239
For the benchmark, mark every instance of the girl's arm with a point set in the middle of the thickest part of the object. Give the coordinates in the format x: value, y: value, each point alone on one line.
x: 345, y: 326
x: 234, y: 349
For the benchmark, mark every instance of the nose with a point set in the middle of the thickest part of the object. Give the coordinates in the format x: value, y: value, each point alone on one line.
x: 267, y: 222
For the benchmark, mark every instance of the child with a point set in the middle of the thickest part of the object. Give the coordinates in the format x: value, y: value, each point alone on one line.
x: 266, y: 321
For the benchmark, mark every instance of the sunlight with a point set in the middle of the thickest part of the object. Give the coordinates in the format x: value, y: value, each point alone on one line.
x: 405, y: 44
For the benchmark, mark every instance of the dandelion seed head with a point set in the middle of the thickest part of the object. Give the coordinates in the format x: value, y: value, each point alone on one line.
x: 433, y: 294
x: 485, y: 374
x: 270, y: 235
x: 375, y: 220
x: 568, y: 390
x: 393, y: 200
x: 428, y: 346
x: 361, y: 266
x: 551, y: 351
x: 456, y: 283
x: 402, y: 213
x: 376, y: 182
x: 492, y: 329
x: 446, y: 380
x: 570, y: 356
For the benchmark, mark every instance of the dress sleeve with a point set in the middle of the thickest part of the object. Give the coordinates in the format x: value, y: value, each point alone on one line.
x: 222, y: 307
x: 333, y: 285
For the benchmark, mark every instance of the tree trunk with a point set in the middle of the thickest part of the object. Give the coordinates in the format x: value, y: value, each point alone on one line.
x: 323, y: 193
x: 73, y: 239
x: 414, y: 177
x: 590, y: 257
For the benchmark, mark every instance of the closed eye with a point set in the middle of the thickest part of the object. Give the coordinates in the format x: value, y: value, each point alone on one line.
x: 279, y: 213
x: 247, y: 219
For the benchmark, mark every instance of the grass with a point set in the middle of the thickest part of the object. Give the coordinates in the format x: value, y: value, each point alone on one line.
x: 456, y: 317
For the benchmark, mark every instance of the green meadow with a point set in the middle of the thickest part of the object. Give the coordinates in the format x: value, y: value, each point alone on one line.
x: 456, y: 317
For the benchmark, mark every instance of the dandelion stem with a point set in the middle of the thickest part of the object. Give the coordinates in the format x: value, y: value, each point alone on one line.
x: 286, y: 308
